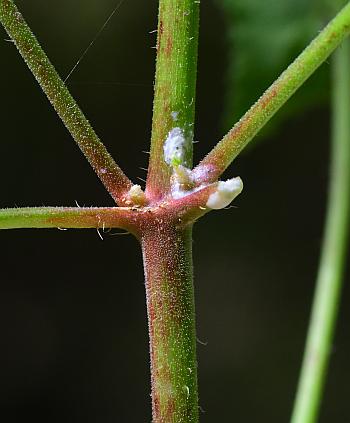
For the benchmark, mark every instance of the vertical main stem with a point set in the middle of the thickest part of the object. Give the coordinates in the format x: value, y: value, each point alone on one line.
x: 167, y: 254
x: 175, y: 86
x: 329, y: 281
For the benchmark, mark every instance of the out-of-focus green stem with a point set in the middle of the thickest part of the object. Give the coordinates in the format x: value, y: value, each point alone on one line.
x: 329, y: 281
x: 175, y: 86
x: 107, y: 170
x: 214, y: 164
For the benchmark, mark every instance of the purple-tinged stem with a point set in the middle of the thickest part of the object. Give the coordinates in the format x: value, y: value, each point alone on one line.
x: 175, y: 85
x: 222, y: 155
x: 167, y: 249
x: 167, y: 255
x: 113, y: 178
x: 70, y: 217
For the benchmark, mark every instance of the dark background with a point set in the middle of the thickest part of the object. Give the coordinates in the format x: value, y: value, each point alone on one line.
x: 73, y: 330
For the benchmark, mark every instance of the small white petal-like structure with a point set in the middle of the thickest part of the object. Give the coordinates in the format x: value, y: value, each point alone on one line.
x: 136, y: 195
x: 225, y: 192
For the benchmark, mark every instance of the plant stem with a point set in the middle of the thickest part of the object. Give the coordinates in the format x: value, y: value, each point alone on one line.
x: 332, y: 263
x: 167, y: 250
x: 175, y: 85
x: 279, y: 92
x: 107, y: 170
x: 67, y: 217
x: 167, y: 257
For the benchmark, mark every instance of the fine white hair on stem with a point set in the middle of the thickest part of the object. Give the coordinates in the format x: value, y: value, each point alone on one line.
x: 120, y: 233
x: 205, y: 343
x: 99, y: 234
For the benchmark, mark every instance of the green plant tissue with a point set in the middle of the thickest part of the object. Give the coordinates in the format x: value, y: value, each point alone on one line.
x: 263, y: 38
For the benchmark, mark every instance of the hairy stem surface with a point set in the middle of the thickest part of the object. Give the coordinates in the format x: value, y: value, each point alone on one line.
x: 68, y: 217
x: 175, y: 85
x: 329, y: 282
x: 167, y: 251
x: 116, y: 183
x: 279, y: 92
x: 167, y: 257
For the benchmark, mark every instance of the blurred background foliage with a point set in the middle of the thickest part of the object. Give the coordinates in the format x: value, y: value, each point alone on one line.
x: 74, y: 344
x: 263, y: 38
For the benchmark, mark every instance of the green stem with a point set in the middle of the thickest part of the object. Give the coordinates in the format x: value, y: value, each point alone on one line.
x: 67, y: 217
x: 214, y: 164
x: 107, y: 170
x: 175, y: 85
x: 329, y: 281
x: 167, y: 257
x: 167, y: 250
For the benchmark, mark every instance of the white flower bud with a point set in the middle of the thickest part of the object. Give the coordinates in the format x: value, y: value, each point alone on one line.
x: 136, y: 195
x: 225, y: 192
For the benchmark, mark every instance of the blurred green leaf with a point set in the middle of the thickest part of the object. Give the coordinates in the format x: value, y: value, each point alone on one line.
x: 263, y: 37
